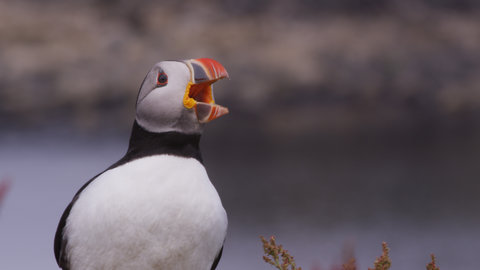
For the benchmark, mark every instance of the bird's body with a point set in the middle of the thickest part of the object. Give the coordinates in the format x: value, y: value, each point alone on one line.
x: 155, y: 209
x: 144, y: 202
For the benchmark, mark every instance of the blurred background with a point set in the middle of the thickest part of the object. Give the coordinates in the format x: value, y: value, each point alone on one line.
x: 352, y: 121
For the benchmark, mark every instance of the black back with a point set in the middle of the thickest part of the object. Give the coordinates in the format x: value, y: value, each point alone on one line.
x: 217, y: 259
x: 143, y: 143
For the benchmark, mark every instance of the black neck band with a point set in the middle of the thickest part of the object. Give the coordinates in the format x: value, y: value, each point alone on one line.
x: 145, y: 143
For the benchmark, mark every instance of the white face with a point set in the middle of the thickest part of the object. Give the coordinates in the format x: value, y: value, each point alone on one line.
x: 160, y: 104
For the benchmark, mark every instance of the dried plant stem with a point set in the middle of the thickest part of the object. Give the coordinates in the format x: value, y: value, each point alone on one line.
x: 277, y: 256
x: 383, y: 262
x: 433, y: 264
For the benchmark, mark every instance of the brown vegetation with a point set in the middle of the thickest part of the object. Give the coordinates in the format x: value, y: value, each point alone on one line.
x: 4, y: 187
x: 279, y: 257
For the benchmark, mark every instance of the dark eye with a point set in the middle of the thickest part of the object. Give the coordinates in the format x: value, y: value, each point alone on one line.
x: 162, y: 79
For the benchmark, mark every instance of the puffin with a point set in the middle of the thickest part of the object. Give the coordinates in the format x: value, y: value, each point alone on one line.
x: 155, y: 208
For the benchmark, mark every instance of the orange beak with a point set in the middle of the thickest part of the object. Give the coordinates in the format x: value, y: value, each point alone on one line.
x: 199, y: 93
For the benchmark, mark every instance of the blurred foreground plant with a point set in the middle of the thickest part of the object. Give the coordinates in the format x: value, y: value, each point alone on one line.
x: 4, y: 185
x: 383, y: 262
x: 433, y: 264
x: 351, y: 264
x: 277, y: 256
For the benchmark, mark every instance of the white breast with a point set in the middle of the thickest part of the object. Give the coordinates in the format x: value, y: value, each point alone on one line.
x: 159, y: 212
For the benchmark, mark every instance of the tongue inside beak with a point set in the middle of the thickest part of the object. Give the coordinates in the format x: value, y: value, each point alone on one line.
x: 199, y: 94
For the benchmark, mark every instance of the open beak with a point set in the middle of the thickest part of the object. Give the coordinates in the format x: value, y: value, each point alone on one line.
x: 199, y: 94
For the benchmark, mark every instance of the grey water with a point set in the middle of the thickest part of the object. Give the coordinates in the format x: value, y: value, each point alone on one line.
x: 315, y: 204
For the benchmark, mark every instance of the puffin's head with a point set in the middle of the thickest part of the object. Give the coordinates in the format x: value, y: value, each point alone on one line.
x: 178, y: 96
